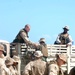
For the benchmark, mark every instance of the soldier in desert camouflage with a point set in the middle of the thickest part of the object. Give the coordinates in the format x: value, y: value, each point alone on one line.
x: 54, y: 66
x: 36, y: 67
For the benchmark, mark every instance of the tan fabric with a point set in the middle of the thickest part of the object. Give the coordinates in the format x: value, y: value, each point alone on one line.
x: 2, y: 56
x: 9, y: 61
x: 22, y: 37
x: 2, y: 62
x: 63, y: 56
x: 19, y: 38
x: 3, y: 69
x: 16, y: 58
x: 25, y: 38
x: 43, y: 49
x: 37, y: 67
x: 13, y: 71
x: 1, y: 47
x: 54, y: 69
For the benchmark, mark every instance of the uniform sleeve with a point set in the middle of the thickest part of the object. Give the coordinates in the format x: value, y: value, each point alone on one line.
x: 5, y: 70
x: 53, y: 69
x: 57, y: 39
x: 27, y: 69
x: 71, y: 41
x: 25, y: 38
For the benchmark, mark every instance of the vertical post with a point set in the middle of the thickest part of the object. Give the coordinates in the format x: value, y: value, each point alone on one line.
x: 68, y: 60
x: 19, y: 54
x: 8, y: 49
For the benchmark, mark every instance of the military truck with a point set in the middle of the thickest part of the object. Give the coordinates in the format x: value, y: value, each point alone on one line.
x: 25, y: 52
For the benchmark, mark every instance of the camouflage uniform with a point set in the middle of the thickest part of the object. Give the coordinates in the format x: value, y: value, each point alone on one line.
x: 9, y: 63
x: 13, y: 71
x: 36, y: 67
x: 43, y: 48
x: 22, y: 37
x: 54, y: 66
x: 54, y: 69
x: 64, y: 37
x: 18, y: 38
x: 3, y: 69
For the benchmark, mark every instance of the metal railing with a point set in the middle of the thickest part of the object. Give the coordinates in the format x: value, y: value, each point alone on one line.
x: 20, y: 50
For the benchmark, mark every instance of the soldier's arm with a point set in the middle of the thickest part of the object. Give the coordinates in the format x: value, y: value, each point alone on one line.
x: 53, y: 69
x: 5, y: 70
x: 25, y: 38
x: 71, y: 41
x: 57, y: 39
x: 27, y: 69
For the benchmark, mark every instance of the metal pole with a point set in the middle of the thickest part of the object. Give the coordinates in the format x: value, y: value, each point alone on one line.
x: 68, y: 60
x: 19, y: 55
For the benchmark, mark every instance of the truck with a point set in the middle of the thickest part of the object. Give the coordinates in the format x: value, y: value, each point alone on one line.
x: 21, y: 50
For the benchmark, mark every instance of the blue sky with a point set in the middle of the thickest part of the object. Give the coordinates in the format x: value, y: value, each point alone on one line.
x: 46, y: 17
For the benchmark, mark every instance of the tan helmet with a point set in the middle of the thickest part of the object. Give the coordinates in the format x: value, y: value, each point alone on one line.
x: 42, y: 40
x: 66, y: 27
x: 1, y: 47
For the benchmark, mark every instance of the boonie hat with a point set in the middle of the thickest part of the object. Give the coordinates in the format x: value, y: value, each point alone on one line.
x: 38, y: 54
x: 16, y: 58
x: 63, y: 56
x: 42, y: 40
x: 9, y: 61
x: 66, y: 27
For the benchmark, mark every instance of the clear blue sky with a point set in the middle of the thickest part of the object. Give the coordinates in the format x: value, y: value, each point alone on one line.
x: 46, y: 17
